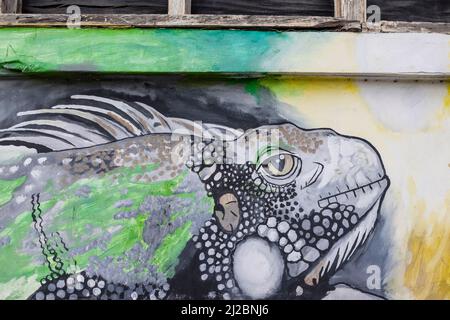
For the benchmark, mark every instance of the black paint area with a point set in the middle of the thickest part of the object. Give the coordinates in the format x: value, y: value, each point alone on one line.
x: 97, y: 6
x: 265, y: 7
x: 225, y: 102
x: 392, y: 10
x: 413, y: 10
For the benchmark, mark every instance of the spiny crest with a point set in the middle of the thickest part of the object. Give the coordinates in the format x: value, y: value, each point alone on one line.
x: 85, y: 124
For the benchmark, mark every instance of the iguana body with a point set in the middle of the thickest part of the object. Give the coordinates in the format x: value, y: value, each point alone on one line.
x: 185, y: 215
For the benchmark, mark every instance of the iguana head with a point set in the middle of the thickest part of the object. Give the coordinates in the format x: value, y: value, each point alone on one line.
x: 291, y: 205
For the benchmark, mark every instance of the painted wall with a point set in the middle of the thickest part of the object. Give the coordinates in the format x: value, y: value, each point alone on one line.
x: 49, y: 50
x: 351, y: 200
x: 407, y: 122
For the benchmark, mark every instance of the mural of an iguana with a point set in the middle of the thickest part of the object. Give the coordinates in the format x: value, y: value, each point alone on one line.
x: 125, y: 203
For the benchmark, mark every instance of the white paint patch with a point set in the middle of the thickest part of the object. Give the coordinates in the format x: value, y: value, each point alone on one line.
x: 11, y: 155
x: 343, y: 292
x: 114, y: 229
x: 403, y: 106
x: 402, y: 52
x: 258, y: 268
x: 66, y: 161
x: 381, y: 53
x: 13, y: 169
x: 371, y: 195
x: 42, y: 160
x: 35, y: 173
x: 20, y: 199
x: 27, y: 162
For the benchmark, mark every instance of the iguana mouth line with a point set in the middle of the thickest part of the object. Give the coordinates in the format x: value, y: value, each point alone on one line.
x: 346, y: 245
x: 381, y: 183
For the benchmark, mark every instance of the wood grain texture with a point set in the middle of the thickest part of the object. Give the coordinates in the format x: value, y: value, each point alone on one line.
x: 402, y: 26
x: 350, y: 9
x: 264, y: 7
x: 184, y: 21
x: 179, y: 7
x: 219, y: 22
x: 10, y: 6
x: 413, y: 10
x: 97, y: 6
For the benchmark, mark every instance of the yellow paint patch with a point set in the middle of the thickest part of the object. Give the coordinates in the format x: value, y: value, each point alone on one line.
x: 428, y: 273
x: 290, y: 88
x: 443, y: 114
x: 416, y: 160
x: 322, y: 99
x: 447, y: 99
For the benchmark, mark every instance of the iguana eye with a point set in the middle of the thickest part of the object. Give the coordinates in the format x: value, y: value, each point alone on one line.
x: 280, y: 168
x: 279, y: 165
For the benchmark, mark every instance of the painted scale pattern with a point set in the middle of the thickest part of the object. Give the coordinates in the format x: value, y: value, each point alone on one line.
x: 301, y: 203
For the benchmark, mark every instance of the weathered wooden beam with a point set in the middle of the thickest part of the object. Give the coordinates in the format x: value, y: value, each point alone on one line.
x: 10, y: 6
x: 179, y: 7
x: 350, y: 9
x: 403, y: 26
x: 182, y: 21
x: 219, y: 22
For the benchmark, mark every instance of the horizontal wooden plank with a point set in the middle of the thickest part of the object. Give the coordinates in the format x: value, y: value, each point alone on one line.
x: 212, y: 21
x: 413, y: 10
x: 264, y: 7
x: 403, y: 26
x: 144, y: 51
x: 97, y: 6
x: 185, y: 21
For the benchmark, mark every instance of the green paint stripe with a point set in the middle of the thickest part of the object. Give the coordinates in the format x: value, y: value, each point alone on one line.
x: 166, y: 255
x: 50, y: 50
x: 7, y: 188
x: 134, y: 50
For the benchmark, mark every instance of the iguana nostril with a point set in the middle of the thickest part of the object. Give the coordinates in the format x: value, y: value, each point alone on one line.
x: 227, y: 212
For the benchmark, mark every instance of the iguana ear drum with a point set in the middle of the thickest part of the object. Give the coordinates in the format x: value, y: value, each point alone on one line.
x: 227, y: 212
